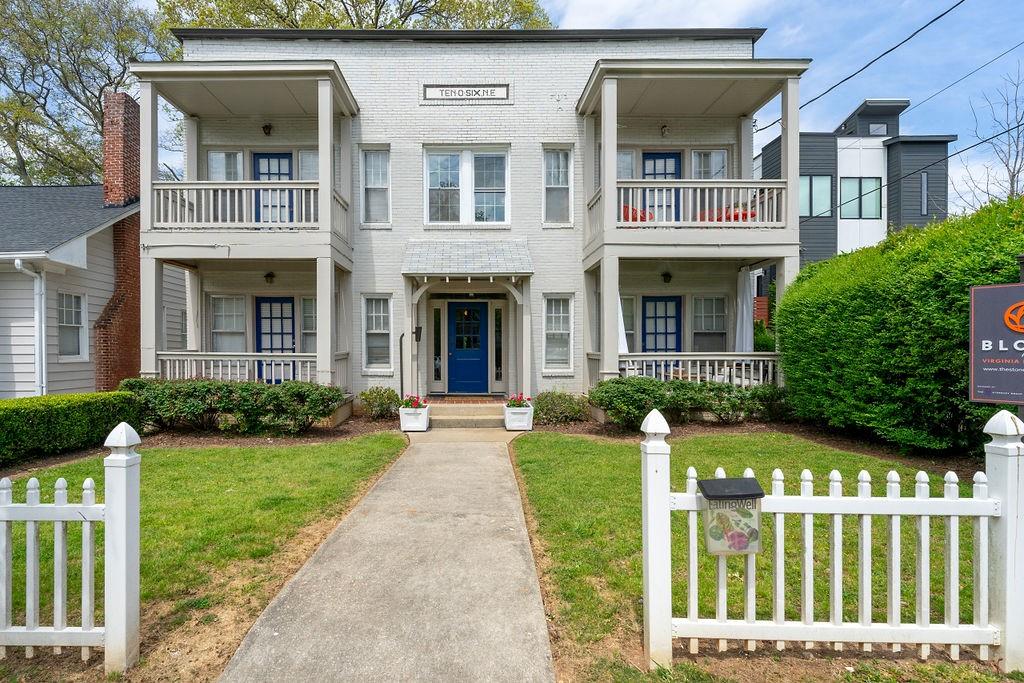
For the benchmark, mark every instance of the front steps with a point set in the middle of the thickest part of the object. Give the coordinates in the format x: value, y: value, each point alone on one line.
x: 467, y: 416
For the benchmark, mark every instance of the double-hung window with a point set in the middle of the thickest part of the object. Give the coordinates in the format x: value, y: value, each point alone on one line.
x: 708, y: 323
x: 557, y: 171
x: 224, y: 166
x: 557, y: 333
x: 467, y: 186
x: 376, y: 186
x: 815, y: 195
x: 709, y: 164
x: 377, y: 343
x: 228, y: 329
x: 307, y: 340
x: 309, y: 164
x: 72, y: 337
x: 860, y: 198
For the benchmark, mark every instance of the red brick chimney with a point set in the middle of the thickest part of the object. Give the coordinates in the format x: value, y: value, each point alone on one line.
x: 118, y: 350
x: 120, y: 149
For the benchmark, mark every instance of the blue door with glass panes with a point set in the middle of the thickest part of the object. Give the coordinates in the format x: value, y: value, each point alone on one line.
x: 662, y: 203
x: 661, y: 329
x: 275, y: 333
x: 273, y: 205
x: 467, y: 348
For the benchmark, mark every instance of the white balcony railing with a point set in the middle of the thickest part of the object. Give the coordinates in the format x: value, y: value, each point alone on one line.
x: 236, y: 205
x: 741, y: 369
x: 701, y: 204
x: 237, y: 367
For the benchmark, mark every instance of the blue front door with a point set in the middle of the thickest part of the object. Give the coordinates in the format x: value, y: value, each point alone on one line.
x: 273, y: 206
x: 662, y: 203
x: 275, y: 333
x: 662, y: 331
x: 467, y: 348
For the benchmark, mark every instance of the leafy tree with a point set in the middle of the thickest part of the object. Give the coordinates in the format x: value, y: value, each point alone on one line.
x: 362, y: 14
x: 57, y: 59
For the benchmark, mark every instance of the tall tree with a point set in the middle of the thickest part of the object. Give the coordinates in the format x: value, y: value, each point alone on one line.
x: 1001, y: 176
x: 57, y: 59
x: 364, y: 14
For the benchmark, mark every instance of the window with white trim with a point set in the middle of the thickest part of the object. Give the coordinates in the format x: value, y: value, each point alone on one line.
x: 625, y: 164
x: 489, y: 174
x: 223, y: 165
x: 309, y: 164
x: 557, y: 333
x: 709, y: 164
x: 307, y: 325
x: 557, y: 171
x: 709, y: 321
x: 443, y: 187
x: 878, y: 129
x: 72, y: 333
x: 629, y: 321
x: 377, y: 335
x: 468, y: 186
x: 228, y: 328
x: 376, y: 186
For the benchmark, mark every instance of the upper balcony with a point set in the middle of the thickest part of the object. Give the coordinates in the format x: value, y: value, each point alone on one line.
x: 267, y: 153
x: 679, y: 134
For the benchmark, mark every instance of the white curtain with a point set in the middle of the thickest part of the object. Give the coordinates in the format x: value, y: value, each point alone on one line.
x: 744, y: 311
x: 623, y: 345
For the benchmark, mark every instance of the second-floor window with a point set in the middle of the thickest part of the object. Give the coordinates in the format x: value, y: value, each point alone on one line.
x: 223, y: 166
x: 709, y: 164
x: 815, y: 195
x: 860, y: 198
x: 376, y: 186
x: 556, y: 186
x: 467, y: 186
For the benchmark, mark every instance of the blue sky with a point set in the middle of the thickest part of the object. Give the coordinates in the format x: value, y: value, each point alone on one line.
x: 841, y: 36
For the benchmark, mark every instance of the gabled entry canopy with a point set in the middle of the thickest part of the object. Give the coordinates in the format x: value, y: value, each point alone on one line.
x: 467, y: 258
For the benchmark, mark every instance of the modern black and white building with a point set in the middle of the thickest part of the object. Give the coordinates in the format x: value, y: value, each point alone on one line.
x: 864, y: 179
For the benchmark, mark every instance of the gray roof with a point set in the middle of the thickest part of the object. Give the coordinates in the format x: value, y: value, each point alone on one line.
x: 41, y: 218
x: 469, y: 36
x: 467, y: 257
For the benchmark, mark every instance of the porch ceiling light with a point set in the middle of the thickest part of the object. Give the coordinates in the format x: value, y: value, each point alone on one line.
x: 666, y: 277
x: 269, y: 277
x: 267, y: 128
x: 664, y: 131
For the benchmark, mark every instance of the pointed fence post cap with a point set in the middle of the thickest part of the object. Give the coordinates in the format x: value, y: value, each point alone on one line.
x: 655, y: 425
x: 122, y: 436
x: 1004, y: 423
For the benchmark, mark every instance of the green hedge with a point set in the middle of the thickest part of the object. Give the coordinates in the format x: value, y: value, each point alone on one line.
x: 877, y: 340
x: 559, y: 407
x: 244, y: 407
x: 44, y: 425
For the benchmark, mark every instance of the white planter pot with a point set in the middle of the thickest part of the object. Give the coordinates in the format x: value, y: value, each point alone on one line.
x: 519, y: 419
x: 414, y: 419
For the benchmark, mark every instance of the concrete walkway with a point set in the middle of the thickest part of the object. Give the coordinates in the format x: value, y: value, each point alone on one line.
x: 430, y: 577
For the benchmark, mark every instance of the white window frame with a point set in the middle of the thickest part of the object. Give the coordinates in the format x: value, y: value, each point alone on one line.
x: 245, y: 321
x: 83, y: 327
x: 376, y: 369
x: 546, y: 369
x: 225, y: 150
x: 364, y: 187
x: 298, y: 164
x: 632, y: 298
x: 703, y: 150
x: 884, y: 125
x: 693, y: 317
x: 544, y: 186
x: 467, y: 184
x: 302, y: 323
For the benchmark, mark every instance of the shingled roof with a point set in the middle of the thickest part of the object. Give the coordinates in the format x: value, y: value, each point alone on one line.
x: 41, y: 218
x: 467, y: 257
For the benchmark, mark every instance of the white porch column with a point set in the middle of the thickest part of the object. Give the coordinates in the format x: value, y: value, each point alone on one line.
x: 407, y: 344
x: 151, y: 319
x: 326, y: 320
x: 790, y: 150
x: 148, y: 134
x: 512, y: 349
x: 609, y: 317
x: 191, y: 148
x: 609, y: 152
x: 745, y: 135
x: 325, y: 147
x: 193, y: 299
x: 527, y: 339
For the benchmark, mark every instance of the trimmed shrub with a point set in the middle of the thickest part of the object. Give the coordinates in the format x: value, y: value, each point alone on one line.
x: 244, y: 407
x: 764, y: 339
x: 627, y: 400
x: 44, y: 425
x: 769, y: 403
x: 727, y: 402
x: 877, y: 340
x: 380, y: 403
x: 559, y: 407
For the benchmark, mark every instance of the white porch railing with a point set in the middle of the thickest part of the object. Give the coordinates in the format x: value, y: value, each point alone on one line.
x: 595, y: 219
x: 341, y: 221
x: 995, y: 512
x: 701, y: 204
x: 237, y: 367
x: 232, y: 205
x: 741, y: 369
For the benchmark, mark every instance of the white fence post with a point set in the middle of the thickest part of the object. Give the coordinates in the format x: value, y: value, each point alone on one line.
x: 121, y: 549
x: 1004, y: 466
x: 657, y: 541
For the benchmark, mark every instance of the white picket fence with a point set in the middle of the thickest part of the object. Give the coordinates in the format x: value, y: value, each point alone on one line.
x: 996, y: 630
x: 119, y: 514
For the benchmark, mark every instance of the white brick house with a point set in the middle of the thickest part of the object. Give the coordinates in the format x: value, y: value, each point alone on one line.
x: 458, y: 237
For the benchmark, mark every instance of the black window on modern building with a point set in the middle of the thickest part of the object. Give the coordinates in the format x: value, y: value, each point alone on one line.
x: 815, y: 195
x: 924, y: 193
x: 860, y: 198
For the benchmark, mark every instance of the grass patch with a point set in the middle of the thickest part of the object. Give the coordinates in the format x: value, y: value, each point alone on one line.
x: 585, y: 495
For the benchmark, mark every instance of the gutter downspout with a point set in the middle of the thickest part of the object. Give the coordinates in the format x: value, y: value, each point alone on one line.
x: 39, y: 313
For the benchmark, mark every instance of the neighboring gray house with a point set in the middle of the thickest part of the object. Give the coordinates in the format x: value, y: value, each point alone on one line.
x: 849, y: 167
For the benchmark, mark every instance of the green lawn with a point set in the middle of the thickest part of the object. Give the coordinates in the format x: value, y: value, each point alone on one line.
x: 585, y: 495
x: 206, y: 508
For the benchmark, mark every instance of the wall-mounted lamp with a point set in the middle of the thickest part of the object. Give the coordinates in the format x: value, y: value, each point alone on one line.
x: 664, y: 131
x: 417, y: 333
x: 666, y: 277
x: 267, y: 128
x: 269, y: 277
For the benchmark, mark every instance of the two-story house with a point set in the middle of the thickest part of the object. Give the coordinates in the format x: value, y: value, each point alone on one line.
x: 467, y: 212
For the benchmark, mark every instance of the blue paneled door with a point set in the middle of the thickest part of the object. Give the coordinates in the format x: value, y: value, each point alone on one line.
x: 275, y: 333
x: 663, y: 166
x: 273, y: 206
x: 467, y: 348
x: 662, y: 331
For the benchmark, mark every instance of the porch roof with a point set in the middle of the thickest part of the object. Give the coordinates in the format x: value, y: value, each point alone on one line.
x: 425, y: 258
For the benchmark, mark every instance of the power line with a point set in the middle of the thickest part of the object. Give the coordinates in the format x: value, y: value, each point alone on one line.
x: 832, y: 209
x: 865, y: 67
x: 965, y: 76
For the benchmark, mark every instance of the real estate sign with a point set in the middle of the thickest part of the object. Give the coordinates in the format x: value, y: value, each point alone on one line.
x: 997, y: 344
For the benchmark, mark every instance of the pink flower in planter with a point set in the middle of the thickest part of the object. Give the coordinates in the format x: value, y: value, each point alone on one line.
x: 737, y: 540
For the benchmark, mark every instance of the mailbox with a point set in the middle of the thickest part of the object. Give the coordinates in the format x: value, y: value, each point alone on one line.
x: 732, y: 515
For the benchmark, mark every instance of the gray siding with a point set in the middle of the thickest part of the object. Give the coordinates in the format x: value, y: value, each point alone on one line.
x: 905, y: 196
x: 771, y: 160
x: 859, y: 125
x: 17, y: 336
x: 818, y: 235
